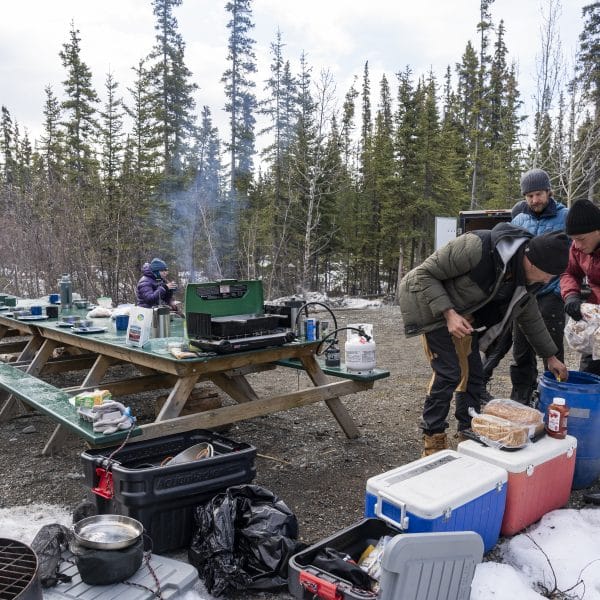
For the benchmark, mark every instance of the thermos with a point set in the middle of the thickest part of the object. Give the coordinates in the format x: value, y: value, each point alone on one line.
x: 161, y: 322
x: 66, y: 291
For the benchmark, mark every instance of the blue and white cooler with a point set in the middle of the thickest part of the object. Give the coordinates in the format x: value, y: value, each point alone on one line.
x: 446, y: 491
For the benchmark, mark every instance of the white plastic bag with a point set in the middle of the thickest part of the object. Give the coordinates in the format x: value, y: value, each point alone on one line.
x: 584, y: 336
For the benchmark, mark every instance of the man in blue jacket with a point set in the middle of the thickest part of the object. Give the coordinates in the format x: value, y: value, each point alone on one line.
x: 540, y: 213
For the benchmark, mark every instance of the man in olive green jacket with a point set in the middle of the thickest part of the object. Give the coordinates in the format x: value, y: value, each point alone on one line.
x: 462, y: 298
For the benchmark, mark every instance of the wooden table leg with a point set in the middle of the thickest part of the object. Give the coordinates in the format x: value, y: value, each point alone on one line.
x: 236, y: 386
x: 31, y: 349
x: 177, y: 398
x: 93, y: 378
x: 335, y: 405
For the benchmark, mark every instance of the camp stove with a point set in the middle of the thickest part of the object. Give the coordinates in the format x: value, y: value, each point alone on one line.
x: 229, y: 316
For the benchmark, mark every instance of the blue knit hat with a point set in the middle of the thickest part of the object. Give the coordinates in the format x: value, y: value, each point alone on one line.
x: 158, y: 265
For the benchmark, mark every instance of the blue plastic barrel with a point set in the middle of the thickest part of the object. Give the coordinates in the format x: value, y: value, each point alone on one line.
x: 582, y: 393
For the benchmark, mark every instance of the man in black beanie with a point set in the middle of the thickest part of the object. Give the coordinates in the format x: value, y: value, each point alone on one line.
x: 465, y: 296
x: 583, y: 226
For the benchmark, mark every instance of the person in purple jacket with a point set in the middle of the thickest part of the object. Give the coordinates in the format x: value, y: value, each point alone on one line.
x: 153, y: 288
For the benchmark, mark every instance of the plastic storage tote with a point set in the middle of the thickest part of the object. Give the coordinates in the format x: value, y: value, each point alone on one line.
x: 582, y: 393
x: 446, y: 491
x: 420, y: 566
x: 539, y: 477
x: 136, y: 484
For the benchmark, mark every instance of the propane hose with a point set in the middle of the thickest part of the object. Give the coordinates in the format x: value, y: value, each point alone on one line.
x: 359, y: 330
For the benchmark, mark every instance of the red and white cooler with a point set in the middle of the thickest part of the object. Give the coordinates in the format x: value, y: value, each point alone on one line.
x: 539, y: 477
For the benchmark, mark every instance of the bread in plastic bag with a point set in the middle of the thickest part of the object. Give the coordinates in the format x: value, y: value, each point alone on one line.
x: 498, y: 432
x: 516, y: 412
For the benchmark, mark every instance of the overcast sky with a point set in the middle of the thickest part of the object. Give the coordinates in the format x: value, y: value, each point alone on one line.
x: 339, y: 35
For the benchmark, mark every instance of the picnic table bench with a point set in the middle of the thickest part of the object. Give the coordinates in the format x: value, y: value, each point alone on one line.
x: 54, y: 402
x: 340, y: 371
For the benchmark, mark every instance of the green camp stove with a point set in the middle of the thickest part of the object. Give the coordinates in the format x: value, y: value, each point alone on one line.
x: 229, y: 316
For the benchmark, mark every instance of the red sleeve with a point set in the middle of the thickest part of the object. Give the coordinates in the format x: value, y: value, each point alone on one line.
x: 570, y: 280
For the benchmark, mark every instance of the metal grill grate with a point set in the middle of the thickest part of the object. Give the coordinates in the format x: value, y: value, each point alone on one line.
x: 18, y: 566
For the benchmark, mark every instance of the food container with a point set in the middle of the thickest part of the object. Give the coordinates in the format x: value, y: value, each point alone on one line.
x: 539, y: 477
x: 446, y: 491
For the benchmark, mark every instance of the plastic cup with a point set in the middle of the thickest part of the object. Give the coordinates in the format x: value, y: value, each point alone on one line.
x: 121, y: 322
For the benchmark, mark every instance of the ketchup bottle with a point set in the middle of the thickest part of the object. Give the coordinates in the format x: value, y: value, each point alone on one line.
x: 556, y: 423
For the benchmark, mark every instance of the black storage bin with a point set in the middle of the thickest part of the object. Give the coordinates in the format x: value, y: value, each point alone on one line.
x: 162, y: 497
x: 352, y: 541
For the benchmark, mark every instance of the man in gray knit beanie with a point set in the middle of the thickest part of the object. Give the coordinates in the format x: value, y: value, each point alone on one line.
x: 535, y: 180
x: 538, y: 213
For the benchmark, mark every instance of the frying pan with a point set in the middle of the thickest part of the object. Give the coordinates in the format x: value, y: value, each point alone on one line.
x: 107, y: 532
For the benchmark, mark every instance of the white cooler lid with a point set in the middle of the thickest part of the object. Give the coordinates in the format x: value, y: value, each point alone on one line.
x: 517, y: 461
x: 432, y: 485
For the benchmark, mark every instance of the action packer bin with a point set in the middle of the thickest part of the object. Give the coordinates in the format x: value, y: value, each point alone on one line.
x: 539, y: 477
x: 446, y: 491
x: 138, y: 482
x: 419, y: 566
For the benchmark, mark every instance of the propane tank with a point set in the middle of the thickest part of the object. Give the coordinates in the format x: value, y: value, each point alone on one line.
x: 66, y: 291
x: 360, y: 349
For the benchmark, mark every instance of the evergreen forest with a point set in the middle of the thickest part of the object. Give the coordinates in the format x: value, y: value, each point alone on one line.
x: 340, y: 198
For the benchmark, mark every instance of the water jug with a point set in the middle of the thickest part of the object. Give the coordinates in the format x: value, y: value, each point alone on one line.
x: 161, y: 322
x: 66, y: 291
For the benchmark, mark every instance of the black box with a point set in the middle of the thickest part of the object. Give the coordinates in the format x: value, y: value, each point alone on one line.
x: 303, y: 578
x: 162, y: 498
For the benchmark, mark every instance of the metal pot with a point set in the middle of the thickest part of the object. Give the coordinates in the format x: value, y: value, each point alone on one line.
x: 107, y: 532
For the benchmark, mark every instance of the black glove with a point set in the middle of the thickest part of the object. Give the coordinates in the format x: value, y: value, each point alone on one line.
x: 573, y: 307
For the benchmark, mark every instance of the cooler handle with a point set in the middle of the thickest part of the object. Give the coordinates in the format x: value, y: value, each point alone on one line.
x: 319, y: 588
x: 403, y: 524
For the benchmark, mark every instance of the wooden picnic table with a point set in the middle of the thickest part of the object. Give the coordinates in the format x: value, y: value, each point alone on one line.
x: 158, y: 369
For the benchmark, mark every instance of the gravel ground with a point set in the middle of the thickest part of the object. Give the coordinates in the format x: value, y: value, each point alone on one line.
x: 303, y: 456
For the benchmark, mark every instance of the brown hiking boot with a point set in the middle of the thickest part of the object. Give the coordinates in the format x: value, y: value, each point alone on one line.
x: 434, y: 443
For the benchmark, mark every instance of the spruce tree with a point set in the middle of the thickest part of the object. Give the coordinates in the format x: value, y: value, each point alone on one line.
x: 172, y: 94
x: 79, y: 113
x: 239, y: 86
x: 51, y: 142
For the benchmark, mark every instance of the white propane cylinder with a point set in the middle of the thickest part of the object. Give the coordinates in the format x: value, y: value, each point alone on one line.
x: 360, y: 353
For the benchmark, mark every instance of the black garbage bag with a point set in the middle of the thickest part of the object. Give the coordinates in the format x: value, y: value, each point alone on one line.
x: 243, y: 540
x: 48, y: 544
